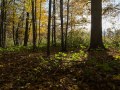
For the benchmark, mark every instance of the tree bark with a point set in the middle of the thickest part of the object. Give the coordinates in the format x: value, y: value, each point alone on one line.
x: 54, y: 22
x: 26, y: 30
x: 49, y: 27
x: 62, y: 33
x: 33, y: 24
x: 17, y: 35
x: 3, y: 24
x: 67, y: 25
x: 96, y: 25
x: 39, y: 41
x: 13, y: 27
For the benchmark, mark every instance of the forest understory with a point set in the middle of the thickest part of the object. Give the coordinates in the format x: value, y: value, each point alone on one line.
x: 99, y: 70
x: 44, y: 44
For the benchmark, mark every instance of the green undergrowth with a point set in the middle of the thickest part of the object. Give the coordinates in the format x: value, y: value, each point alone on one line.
x: 71, y: 70
x: 15, y: 49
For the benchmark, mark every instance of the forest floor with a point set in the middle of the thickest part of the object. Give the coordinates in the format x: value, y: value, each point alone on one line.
x: 100, y: 70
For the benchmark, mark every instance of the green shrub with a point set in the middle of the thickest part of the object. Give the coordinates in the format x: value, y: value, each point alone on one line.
x: 77, y: 37
x: 75, y: 56
x: 117, y: 57
x: 78, y: 56
x: 60, y: 56
x: 105, y: 67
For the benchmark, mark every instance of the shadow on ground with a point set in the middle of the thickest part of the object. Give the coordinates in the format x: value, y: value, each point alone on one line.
x: 32, y: 72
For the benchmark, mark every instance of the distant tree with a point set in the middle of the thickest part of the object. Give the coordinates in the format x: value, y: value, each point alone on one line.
x: 17, y: 35
x: 35, y: 18
x: 49, y: 26
x: 39, y: 37
x: 62, y: 31
x: 0, y: 25
x: 54, y: 22
x: 13, y: 26
x: 66, y: 33
x: 20, y: 25
x: 33, y: 24
x: 3, y: 24
x: 26, y: 30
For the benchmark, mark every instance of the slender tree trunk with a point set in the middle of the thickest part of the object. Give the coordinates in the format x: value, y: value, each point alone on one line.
x: 3, y: 25
x: 71, y: 28
x: 36, y: 19
x: 52, y: 30
x: 33, y: 24
x: 5, y: 17
x: 49, y: 26
x: 67, y: 25
x: 54, y: 22
x: 39, y: 41
x: 26, y: 30
x: 96, y: 25
x: 61, y: 17
x: 13, y: 27
x: 1, y: 29
x: 20, y: 23
x: 2, y: 22
x: 17, y: 35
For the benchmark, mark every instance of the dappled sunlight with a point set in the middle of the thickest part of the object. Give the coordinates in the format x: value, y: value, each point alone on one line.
x: 36, y: 71
x: 59, y: 45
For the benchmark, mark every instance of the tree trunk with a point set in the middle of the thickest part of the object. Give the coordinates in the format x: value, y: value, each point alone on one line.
x: 67, y: 25
x: 2, y: 21
x: 26, y: 30
x: 17, y: 35
x: 52, y: 30
x: 13, y: 27
x: 35, y: 18
x: 54, y: 22
x: 3, y: 24
x: 96, y: 25
x: 49, y: 26
x: 33, y: 24
x: 5, y: 17
x: 61, y: 17
x: 39, y: 41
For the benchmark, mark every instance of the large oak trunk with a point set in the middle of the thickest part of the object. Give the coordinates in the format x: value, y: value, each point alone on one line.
x: 96, y: 25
